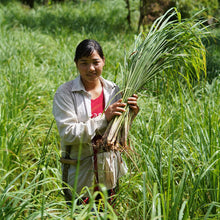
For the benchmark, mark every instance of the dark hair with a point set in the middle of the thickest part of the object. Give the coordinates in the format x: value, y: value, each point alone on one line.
x: 86, y: 47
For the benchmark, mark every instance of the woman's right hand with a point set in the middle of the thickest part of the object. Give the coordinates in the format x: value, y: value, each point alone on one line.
x: 116, y: 108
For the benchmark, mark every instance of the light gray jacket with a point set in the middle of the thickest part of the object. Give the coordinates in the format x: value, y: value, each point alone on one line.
x: 72, y: 112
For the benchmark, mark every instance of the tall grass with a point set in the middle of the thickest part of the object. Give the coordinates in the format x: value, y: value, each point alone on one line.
x: 182, y: 164
x: 174, y: 167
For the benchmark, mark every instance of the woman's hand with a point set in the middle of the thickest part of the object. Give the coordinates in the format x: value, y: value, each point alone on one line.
x: 132, y: 102
x: 117, y: 108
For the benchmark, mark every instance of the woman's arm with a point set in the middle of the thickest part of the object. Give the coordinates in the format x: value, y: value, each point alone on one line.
x: 71, y: 130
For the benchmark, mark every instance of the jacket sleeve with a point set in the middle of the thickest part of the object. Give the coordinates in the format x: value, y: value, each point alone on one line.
x: 70, y: 129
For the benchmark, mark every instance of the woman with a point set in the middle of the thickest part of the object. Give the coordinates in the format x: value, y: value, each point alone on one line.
x: 78, y: 108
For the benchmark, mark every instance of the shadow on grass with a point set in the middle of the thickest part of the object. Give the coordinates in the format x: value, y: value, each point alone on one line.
x: 212, y: 45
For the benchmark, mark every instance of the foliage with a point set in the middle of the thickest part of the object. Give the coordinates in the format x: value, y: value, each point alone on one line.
x: 175, y: 167
x: 189, y: 8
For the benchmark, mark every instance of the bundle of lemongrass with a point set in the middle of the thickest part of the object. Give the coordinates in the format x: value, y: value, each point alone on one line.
x: 170, y: 43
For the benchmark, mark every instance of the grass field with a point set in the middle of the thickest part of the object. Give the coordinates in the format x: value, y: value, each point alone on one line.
x: 174, y: 168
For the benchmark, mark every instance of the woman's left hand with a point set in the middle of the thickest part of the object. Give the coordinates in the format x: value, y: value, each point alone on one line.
x: 132, y: 102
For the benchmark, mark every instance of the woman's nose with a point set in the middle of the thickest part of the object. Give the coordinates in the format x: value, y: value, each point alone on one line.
x: 91, y: 67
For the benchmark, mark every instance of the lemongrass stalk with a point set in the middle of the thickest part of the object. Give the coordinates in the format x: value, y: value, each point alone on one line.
x: 168, y: 45
x: 115, y: 128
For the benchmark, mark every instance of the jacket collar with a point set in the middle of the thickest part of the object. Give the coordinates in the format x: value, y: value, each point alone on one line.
x: 77, y: 84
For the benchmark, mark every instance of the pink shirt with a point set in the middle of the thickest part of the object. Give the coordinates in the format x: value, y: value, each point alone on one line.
x: 97, y: 106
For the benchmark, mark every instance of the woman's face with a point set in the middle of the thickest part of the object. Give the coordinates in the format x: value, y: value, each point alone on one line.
x: 90, y: 68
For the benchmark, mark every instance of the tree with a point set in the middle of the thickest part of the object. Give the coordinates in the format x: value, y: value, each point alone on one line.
x: 28, y: 2
x: 129, y: 12
x: 151, y: 10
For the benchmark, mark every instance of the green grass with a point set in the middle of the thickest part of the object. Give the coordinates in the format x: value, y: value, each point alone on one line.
x: 175, y: 164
